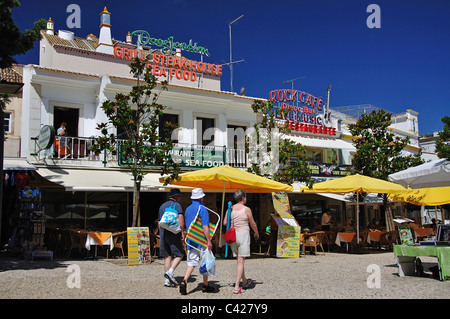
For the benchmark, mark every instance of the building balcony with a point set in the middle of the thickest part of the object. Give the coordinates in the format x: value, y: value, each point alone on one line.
x: 76, y: 151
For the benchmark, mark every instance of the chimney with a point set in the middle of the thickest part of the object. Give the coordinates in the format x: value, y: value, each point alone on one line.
x: 50, y: 27
x: 105, y: 44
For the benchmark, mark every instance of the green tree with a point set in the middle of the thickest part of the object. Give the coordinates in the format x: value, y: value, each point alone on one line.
x: 442, y: 143
x: 138, y: 114
x: 289, y: 167
x: 378, y: 150
x: 14, y: 42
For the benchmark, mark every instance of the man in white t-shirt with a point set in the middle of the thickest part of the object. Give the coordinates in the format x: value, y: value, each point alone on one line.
x: 326, y: 219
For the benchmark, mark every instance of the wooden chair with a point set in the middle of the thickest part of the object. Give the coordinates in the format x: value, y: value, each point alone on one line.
x: 329, y: 239
x: 363, y: 238
x: 77, y: 240
x: 315, y: 239
x: 118, y: 240
x: 388, y: 239
x: 154, y: 244
x: 264, y: 240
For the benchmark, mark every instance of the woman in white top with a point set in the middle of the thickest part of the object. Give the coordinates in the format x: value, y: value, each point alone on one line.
x: 241, y: 217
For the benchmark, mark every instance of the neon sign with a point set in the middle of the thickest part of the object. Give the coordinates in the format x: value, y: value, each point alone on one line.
x: 171, y: 66
x: 169, y: 45
x: 301, y: 118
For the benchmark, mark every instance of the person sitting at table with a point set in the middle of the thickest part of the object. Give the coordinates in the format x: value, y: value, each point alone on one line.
x: 374, y: 224
x: 414, y: 224
x: 348, y: 227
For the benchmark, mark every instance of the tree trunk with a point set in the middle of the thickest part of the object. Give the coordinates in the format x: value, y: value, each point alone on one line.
x: 136, y: 210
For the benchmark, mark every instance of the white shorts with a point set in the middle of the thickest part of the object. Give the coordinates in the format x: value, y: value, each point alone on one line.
x: 193, y: 256
x: 241, y: 247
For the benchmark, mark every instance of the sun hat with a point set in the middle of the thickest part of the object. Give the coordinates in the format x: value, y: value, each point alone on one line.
x: 175, y: 192
x: 197, y: 193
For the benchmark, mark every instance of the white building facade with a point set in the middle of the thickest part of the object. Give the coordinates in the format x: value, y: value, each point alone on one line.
x: 76, y: 75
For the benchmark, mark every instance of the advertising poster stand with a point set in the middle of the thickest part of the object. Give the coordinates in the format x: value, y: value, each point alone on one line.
x: 138, y: 245
x: 284, y: 229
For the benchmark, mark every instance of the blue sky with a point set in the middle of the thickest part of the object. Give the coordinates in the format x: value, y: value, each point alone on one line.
x: 402, y: 65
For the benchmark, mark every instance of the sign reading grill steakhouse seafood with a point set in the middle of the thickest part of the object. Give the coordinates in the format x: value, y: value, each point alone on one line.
x: 170, y: 65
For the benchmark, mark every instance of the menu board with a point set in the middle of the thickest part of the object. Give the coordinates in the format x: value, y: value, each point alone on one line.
x: 405, y: 235
x: 288, y: 241
x: 281, y: 204
x: 285, y: 228
x: 138, y: 245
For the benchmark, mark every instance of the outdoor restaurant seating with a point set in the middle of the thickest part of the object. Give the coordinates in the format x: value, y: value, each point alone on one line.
x: 118, y: 240
x: 388, y: 239
x: 329, y: 239
x: 154, y: 244
x: 63, y: 242
x: 77, y: 241
x: 313, y: 240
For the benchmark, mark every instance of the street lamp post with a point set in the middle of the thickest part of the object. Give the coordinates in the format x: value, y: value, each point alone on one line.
x: 231, y: 59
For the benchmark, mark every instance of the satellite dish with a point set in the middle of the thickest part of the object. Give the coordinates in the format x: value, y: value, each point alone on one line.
x: 242, y: 91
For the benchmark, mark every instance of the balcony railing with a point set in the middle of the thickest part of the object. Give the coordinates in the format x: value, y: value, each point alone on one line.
x: 76, y: 151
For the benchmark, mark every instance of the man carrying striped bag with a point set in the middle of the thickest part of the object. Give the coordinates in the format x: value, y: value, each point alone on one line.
x: 195, y: 249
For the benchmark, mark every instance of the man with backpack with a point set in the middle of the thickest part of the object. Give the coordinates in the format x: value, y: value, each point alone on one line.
x: 171, y: 245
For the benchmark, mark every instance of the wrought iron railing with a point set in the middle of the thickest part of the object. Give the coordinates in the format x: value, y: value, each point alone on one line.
x: 78, y: 150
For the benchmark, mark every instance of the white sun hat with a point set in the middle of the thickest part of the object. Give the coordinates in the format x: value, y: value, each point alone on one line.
x: 197, y: 193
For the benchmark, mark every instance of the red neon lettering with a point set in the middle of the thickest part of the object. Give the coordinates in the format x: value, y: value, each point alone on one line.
x: 280, y: 95
x: 118, y: 52
x: 171, y: 72
x: 126, y: 53
x: 272, y: 95
x: 301, y: 97
x: 285, y: 95
x: 319, y: 104
x: 308, y: 99
x: 314, y: 101
x: 179, y: 74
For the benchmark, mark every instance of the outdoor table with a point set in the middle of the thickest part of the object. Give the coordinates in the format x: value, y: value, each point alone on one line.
x: 99, y: 239
x: 344, y: 238
x: 422, y: 232
x: 406, y: 258
x: 374, y: 236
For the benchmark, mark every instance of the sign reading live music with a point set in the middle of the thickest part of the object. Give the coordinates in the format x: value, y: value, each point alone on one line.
x: 302, y: 111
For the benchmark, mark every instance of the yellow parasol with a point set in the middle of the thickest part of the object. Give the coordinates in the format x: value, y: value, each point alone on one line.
x: 432, y: 196
x: 355, y: 183
x: 228, y: 178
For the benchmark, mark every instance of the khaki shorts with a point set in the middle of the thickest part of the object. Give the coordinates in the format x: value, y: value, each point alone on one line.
x: 241, y: 247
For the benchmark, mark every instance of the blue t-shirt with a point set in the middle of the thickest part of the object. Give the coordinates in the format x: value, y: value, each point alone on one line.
x: 190, y: 214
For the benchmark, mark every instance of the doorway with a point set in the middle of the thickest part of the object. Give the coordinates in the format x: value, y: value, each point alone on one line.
x: 68, y: 115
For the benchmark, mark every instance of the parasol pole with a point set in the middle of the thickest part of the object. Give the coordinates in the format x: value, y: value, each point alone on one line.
x: 357, y: 217
x: 221, y: 216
